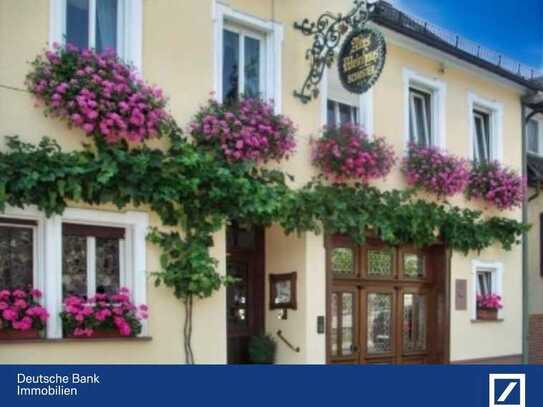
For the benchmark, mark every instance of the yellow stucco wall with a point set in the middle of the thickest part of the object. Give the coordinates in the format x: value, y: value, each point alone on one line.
x: 178, y: 54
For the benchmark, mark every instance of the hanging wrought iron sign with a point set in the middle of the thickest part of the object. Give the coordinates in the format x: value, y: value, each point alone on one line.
x: 327, y: 32
x: 361, y: 60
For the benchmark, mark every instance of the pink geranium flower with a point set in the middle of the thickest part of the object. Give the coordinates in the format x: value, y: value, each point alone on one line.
x: 20, y: 309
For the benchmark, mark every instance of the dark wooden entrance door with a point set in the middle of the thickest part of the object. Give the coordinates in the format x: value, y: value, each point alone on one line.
x: 244, y: 298
x: 384, y: 304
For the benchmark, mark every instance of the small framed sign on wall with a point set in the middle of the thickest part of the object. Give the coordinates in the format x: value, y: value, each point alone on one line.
x: 283, y: 291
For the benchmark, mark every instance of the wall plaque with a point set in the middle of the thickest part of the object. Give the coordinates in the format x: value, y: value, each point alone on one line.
x: 361, y: 60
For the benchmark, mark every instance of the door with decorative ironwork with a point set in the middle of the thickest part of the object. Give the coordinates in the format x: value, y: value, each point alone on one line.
x: 383, y: 304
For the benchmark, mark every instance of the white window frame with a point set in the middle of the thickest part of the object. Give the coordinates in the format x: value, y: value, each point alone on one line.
x: 365, y: 106
x: 438, y: 93
x: 539, y: 120
x: 255, y: 35
x: 495, y: 111
x: 337, y: 112
x: 272, y: 44
x: 496, y: 270
x: 38, y: 280
x: 129, y: 28
x: 49, y: 254
x: 124, y: 279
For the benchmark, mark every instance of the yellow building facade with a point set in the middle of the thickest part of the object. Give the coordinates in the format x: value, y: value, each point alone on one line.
x: 180, y: 46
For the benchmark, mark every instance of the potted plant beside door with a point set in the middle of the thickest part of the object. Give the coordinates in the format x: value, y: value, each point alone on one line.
x: 488, y: 306
x: 262, y: 349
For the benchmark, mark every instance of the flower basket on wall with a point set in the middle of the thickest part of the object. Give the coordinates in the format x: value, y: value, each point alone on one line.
x: 98, y: 93
x: 248, y: 130
x: 348, y: 153
x: 435, y: 171
x: 102, y: 316
x: 487, y: 314
x: 496, y: 185
x: 488, y: 306
x: 21, y: 315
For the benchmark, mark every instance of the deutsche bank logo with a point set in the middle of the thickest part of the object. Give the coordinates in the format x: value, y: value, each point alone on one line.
x: 506, y: 390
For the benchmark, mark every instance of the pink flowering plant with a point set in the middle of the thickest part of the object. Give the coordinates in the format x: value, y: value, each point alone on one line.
x: 499, y: 186
x: 81, y: 317
x: 489, y: 301
x: 20, y: 310
x: 248, y: 130
x: 347, y: 153
x: 98, y: 93
x: 435, y: 171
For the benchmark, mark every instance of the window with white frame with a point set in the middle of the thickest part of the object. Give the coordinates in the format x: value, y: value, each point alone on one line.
x: 91, y: 259
x: 17, y: 253
x: 248, y: 56
x: 420, y: 117
x: 482, y: 133
x: 243, y: 63
x: 486, y: 279
x: 82, y: 252
x: 340, y: 113
x: 99, y: 24
x: 533, y: 137
x: 424, y: 109
x: 485, y: 118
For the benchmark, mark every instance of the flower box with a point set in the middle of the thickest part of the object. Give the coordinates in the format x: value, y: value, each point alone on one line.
x: 487, y: 314
x: 10, y: 333
x: 98, y: 333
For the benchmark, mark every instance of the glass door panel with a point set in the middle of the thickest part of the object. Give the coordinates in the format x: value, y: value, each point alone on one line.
x: 344, y: 325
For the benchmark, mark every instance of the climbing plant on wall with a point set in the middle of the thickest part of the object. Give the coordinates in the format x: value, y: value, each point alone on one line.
x: 197, y: 189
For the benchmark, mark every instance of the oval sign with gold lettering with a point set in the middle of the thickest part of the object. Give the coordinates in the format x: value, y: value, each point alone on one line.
x: 361, y: 60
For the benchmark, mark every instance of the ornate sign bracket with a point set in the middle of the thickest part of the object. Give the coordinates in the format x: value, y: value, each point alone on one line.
x: 328, y: 32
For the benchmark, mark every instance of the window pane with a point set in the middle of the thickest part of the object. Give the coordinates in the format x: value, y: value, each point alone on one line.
x: 252, y: 67
x: 379, y: 323
x: 380, y: 263
x: 237, y: 294
x: 484, y: 282
x: 420, y: 117
x: 482, y: 136
x: 342, y: 261
x: 16, y: 257
x: 106, y: 25
x: 331, y: 113
x: 345, y: 114
x: 77, y: 22
x: 334, y: 329
x: 230, y: 73
x: 413, y: 266
x: 74, y: 265
x: 414, y: 322
x: 532, y: 131
x: 347, y: 325
x: 107, y: 265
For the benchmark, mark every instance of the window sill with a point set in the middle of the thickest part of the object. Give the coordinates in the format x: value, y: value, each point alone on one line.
x: 477, y: 321
x: 77, y: 340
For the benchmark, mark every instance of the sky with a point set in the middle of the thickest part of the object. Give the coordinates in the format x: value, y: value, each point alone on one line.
x: 514, y: 28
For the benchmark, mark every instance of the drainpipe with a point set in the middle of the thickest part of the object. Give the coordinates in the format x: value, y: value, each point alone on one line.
x: 525, y: 303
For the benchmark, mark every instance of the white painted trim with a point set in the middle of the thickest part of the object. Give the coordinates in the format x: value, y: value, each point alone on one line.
x: 91, y: 266
x: 272, y: 44
x: 49, y: 254
x: 438, y: 90
x: 539, y: 119
x: 130, y: 17
x: 497, y: 283
x: 323, y: 95
x: 495, y: 109
x: 366, y: 112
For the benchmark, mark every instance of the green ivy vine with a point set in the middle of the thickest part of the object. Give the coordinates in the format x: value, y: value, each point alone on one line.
x: 197, y: 192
